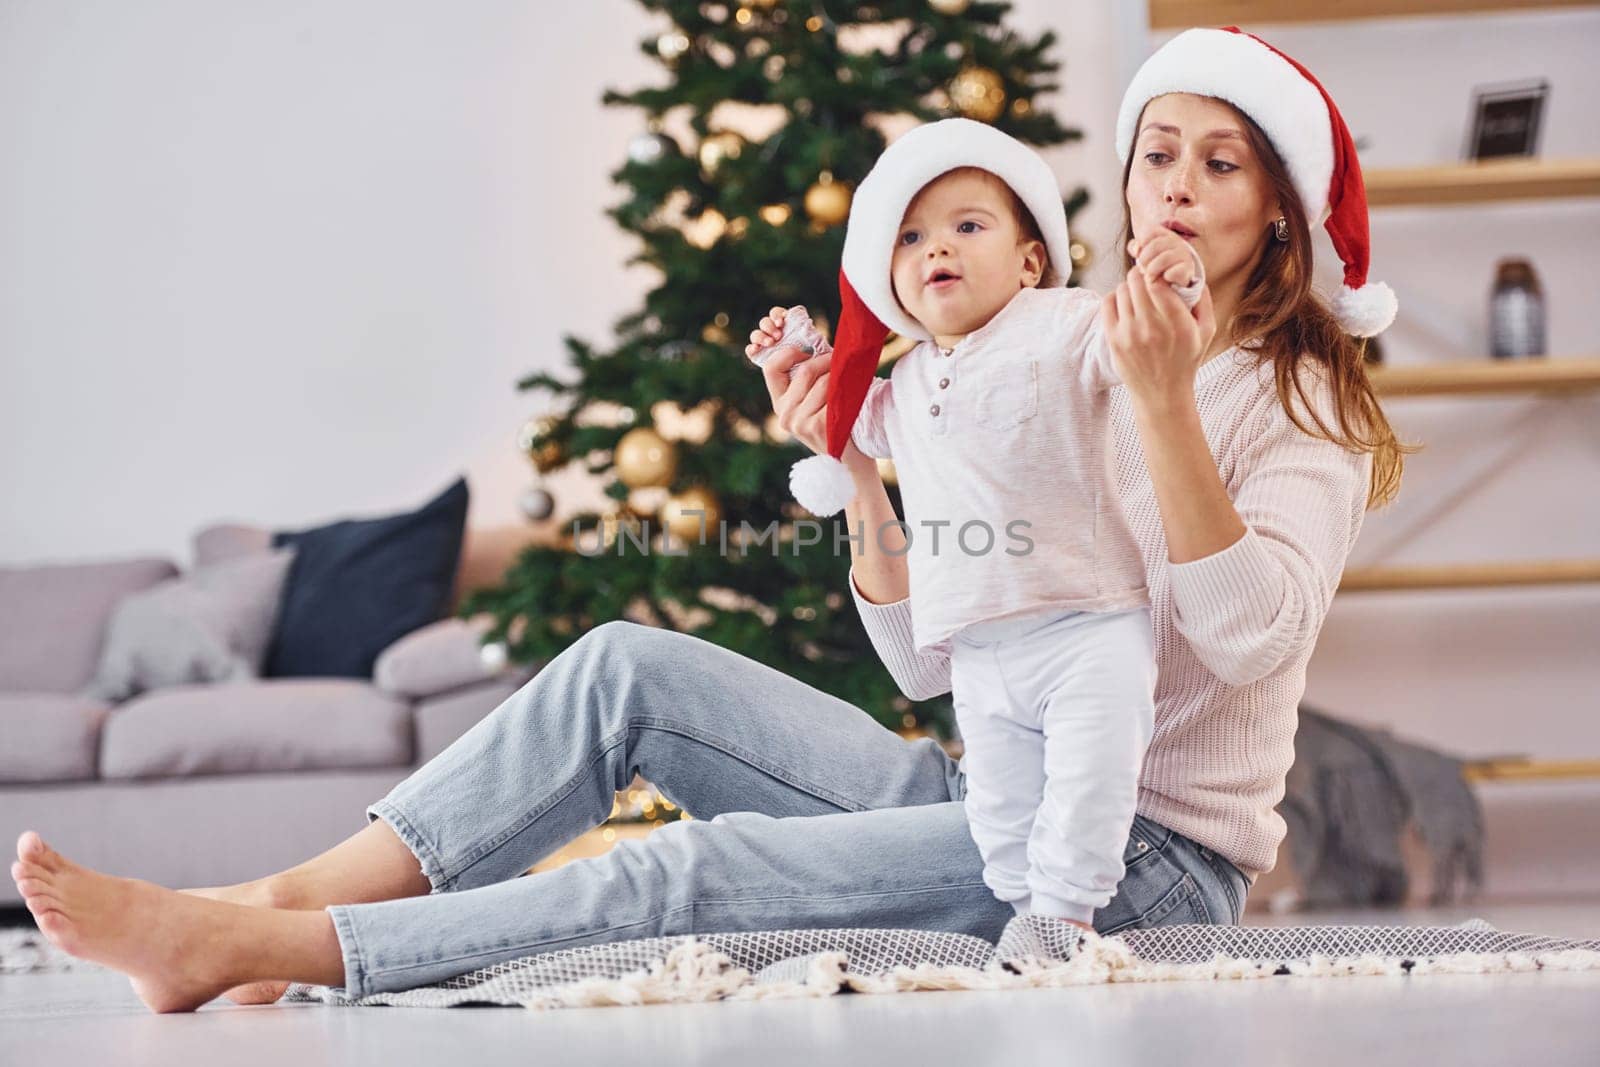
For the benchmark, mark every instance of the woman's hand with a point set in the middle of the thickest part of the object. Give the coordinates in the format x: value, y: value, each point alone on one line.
x: 1157, y: 344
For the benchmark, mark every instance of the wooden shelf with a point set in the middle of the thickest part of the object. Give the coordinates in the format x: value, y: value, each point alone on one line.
x: 1181, y: 14
x: 1542, y: 374
x: 1524, y: 770
x: 1474, y: 183
x: 1470, y: 575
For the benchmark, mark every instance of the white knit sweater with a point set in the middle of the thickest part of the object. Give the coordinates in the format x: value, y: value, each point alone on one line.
x: 1234, y: 630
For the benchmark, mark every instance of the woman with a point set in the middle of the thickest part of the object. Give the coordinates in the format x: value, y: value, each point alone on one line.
x: 808, y: 812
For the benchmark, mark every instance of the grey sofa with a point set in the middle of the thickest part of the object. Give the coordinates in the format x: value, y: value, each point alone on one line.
x: 204, y: 784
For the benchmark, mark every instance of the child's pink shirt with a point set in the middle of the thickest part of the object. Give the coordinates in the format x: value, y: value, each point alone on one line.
x: 1008, y: 427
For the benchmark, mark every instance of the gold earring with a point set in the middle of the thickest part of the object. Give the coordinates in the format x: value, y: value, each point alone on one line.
x: 1280, y: 229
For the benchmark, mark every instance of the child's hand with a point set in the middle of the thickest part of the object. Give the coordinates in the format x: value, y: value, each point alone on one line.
x: 1156, y: 343
x: 767, y: 334
x: 796, y: 380
x: 1166, y: 257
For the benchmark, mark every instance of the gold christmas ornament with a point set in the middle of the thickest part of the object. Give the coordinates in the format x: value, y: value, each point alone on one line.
x: 949, y: 7
x: 1020, y: 107
x: 1082, y: 255
x: 978, y: 93
x: 547, y: 455
x: 775, y: 214
x: 643, y: 457
x: 717, y: 333
x: 828, y: 201
x: 718, y: 148
x: 887, y: 472
x: 687, y: 513
x: 706, y: 230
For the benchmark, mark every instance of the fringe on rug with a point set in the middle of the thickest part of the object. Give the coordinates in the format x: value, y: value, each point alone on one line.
x: 696, y: 971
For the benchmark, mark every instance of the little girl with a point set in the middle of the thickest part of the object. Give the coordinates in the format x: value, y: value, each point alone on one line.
x: 997, y: 421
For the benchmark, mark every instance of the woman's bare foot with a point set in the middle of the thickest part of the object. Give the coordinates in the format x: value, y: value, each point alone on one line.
x: 179, y: 949
x: 262, y: 894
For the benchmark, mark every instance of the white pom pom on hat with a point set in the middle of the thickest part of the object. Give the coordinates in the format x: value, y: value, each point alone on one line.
x: 822, y: 484
x: 1307, y: 131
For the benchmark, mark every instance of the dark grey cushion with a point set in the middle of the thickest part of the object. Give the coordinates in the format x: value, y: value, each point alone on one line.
x: 49, y: 737
x: 53, y: 617
x: 359, y: 585
x: 273, y: 725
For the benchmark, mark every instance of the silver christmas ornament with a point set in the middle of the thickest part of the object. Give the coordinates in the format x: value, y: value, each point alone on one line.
x: 493, y: 656
x: 651, y: 148
x: 537, y: 504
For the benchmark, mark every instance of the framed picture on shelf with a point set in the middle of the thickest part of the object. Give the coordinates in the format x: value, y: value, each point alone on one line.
x: 1506, y: 119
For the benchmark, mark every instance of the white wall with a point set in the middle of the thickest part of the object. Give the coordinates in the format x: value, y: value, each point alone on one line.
x: 283, y: 262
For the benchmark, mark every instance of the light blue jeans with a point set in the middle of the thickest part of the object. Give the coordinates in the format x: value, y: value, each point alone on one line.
x: 807, y: 813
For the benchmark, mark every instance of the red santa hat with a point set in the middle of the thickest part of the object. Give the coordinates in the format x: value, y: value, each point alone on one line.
x: 822, y: 483
x: 1305, y: 128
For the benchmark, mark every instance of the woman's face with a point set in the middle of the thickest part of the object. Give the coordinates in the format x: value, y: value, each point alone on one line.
x: 1194, y: 172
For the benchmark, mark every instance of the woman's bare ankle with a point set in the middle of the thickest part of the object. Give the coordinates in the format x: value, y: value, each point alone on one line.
x: 274, y: 891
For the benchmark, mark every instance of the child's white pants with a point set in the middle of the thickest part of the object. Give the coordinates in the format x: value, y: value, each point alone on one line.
x: 1056, y: 711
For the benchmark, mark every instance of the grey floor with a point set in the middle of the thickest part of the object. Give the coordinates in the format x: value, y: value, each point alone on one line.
x: 1546, y: 1019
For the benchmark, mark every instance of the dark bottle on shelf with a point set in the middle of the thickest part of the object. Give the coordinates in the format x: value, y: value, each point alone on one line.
x: 1516, y: 311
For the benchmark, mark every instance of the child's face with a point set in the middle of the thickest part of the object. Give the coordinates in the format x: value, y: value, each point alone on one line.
x: 960, y: 256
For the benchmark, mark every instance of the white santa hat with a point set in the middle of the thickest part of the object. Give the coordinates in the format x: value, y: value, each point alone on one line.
x: 822, y: 483
x: 1305, y: 128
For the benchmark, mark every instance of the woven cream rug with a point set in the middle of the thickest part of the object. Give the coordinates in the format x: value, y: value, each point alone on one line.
x: 1031, y: 953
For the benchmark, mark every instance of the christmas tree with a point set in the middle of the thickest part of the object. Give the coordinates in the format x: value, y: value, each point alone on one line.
x: 738, y: 187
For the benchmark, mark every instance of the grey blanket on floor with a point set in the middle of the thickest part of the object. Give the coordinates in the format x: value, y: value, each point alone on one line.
x: 1349, y: 798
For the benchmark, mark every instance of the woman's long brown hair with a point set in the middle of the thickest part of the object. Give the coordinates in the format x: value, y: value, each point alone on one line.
x: 1294, y: 326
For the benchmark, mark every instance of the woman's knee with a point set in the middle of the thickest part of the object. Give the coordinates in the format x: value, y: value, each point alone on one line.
x: 617, y: 670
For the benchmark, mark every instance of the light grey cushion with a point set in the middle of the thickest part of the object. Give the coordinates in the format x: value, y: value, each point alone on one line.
x: 211, y: 625
x: 229, y: 540
x: 436, y: 658
x: 49, y: 737
x: 275, y: 724
x: 53, y: 618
